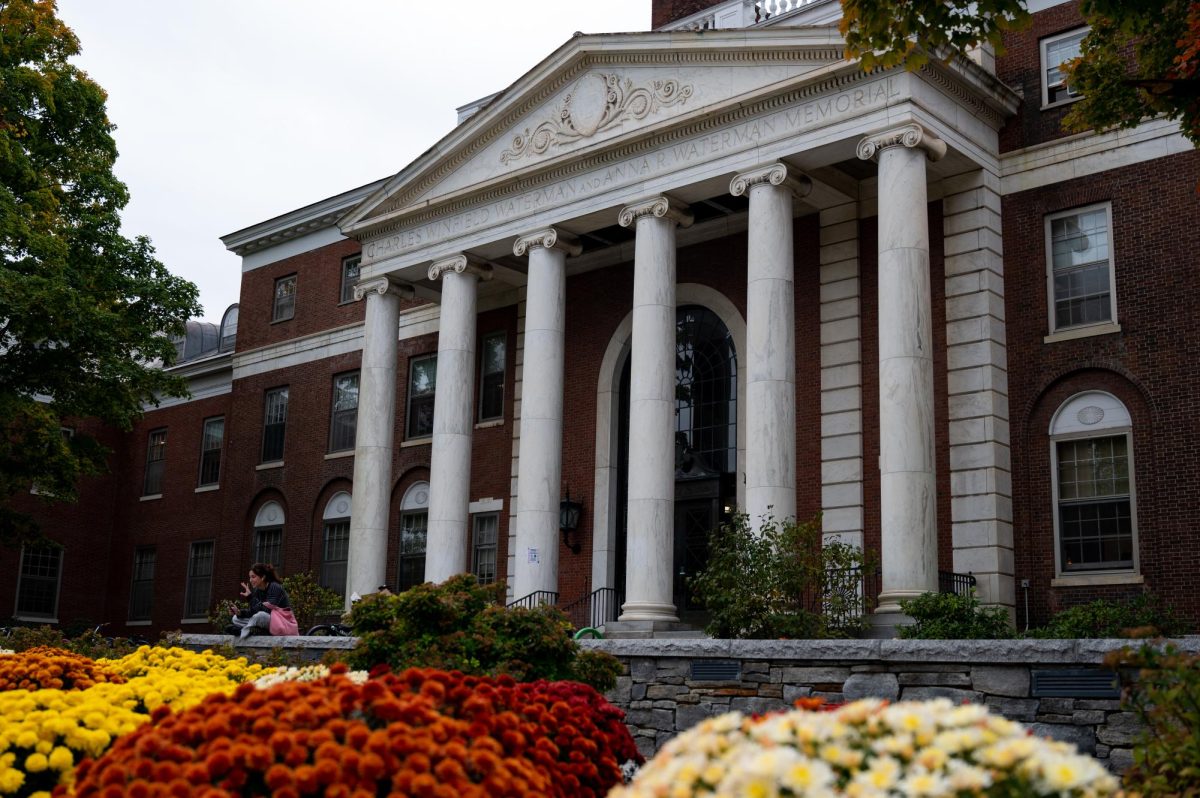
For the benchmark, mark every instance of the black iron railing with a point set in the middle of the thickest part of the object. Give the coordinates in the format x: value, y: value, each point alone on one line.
x: 960, y: 584
x: 535, y: 599
x: 599, y: 607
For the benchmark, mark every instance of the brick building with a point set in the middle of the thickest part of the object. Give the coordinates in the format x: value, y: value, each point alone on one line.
x: 907, y: 301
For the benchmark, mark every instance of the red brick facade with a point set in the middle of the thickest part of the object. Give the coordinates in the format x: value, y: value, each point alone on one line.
x: 1150, y: 365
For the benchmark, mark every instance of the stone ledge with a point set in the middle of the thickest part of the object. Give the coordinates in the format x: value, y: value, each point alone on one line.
x: 259, y: 642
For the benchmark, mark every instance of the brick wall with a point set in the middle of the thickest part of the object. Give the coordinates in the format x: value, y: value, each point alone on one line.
x: 665, y: 11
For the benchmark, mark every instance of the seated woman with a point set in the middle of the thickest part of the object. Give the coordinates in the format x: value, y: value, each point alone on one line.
x: 266, y: 593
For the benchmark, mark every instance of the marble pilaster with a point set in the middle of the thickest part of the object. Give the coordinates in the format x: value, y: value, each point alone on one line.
x: 370, y: 504
x: 908, y: 490
x: 539, y: 462
x: 650, y: 556
x: 771, y: 341
x: 453, y: 417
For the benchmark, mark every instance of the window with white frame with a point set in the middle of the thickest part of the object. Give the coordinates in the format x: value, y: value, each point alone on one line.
x: 336, y: 551
x: 1081, y: 279
x: 343, y: 420
x: 211, y: 441
x: 350, y: 277
x: 483, y: 547
x: 156, y: 461
x: 1057, y: 50
x: 422, y: 387
x: 414, y: 525
x: 491, y: 376
x: 141, y: 590
x: 229, y: 324
x: 275, y: 407
x: 1095, y: 516
x: 284, y: 306
x: 38, y: 582
x: 198, y: 591
x: 268, y: 534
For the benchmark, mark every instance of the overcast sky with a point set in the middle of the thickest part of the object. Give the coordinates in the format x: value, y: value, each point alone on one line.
x: 230, y: 112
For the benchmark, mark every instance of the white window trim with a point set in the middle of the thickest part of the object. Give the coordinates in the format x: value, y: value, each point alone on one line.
x: 1106, y: 575
x: 1080, y: 330
x: 1043, y: 45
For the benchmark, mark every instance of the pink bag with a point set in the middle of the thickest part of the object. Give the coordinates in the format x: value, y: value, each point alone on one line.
x: 283, y: 622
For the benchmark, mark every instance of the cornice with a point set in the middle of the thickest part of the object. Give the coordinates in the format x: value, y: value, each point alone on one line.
x: 775, y: 174
x: 302, y: 221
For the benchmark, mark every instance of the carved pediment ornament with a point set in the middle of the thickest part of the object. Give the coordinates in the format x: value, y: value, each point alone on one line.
x: 597, y: 101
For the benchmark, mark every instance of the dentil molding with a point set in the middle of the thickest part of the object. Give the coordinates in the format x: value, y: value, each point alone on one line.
x: 460, y: 264
x: 775, y: 174
x: 383, y: 285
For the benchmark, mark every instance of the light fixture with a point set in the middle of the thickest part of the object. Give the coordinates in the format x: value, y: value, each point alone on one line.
x: 568, y: 520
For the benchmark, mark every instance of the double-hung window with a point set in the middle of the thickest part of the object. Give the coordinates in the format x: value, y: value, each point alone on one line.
x: 38, y: 581
x: 414, y: 525
x: 284, y: 307
x: 422, y: 386
x: 198, y: 591
x: 483, y: 547
x: 343, y: 421
x: 337, y: 543
x: 1057, y: 50
x: 141, y: 590
x: 349, y: 277
x: 1080, y: 275
x: 275, y: 407
x: 491, y: 377
x: 211, y: 441
x: 1095, y: 509
x: 268, y: 534
x: 156, y: 461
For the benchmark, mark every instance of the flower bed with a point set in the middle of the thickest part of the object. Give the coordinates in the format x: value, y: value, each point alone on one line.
x: 423, y: 732
x: 45, y: 731
x: 868, y: 748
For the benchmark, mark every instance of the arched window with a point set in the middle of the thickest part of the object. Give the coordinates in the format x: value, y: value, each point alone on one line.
x: 414, y: 523
x: 268, y: 534
x: 1095, y: 518
x: 229, y: 324
x: 337, y: 543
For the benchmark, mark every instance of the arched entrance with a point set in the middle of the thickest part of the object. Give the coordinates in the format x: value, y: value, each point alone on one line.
x: 706, y: 446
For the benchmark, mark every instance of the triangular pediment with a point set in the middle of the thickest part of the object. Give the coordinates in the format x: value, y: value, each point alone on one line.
x: 601, y: 92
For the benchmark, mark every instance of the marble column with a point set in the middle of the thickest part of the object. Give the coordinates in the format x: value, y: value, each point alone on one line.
x: 539, y: 452
x: 453, y: 419
x: 908, y: 488
x: 371, y: 500
x: 651, y: 516
x: 770, y: 356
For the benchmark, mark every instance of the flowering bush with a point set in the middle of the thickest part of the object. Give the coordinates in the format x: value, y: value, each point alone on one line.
x: 51, y: 669
x: 868, y: 748
x: 305, y: 673
x: 421, y: 733
x: 44, y: 733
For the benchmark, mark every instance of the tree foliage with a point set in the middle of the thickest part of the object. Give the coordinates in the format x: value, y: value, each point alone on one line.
x: 1129, y: 40
x: 85, y: 313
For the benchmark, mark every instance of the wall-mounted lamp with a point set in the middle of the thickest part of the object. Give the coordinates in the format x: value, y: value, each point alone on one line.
x: 568, y: 520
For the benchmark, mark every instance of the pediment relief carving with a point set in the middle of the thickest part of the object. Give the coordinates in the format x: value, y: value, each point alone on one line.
x: 597, y: 101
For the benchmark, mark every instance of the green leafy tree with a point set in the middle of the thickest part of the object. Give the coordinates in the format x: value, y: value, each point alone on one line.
x: 85, y: 313
x: 1139, y: 59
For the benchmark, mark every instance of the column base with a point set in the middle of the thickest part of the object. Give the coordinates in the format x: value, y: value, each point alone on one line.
x: 645, y: 630
x: 648, y: 611
x: 885, y: 624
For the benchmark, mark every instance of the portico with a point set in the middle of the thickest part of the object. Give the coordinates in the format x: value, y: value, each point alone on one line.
x: 649, y: 133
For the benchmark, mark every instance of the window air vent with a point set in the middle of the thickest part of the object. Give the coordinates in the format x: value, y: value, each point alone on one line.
x: 716, y: 670
x: 1075, y: 683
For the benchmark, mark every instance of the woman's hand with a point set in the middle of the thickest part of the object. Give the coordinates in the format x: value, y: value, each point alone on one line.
x: 268, y: 605
x: 245, y: 589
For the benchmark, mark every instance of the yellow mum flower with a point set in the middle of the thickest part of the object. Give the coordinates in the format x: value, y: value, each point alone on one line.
x: 36, y: 763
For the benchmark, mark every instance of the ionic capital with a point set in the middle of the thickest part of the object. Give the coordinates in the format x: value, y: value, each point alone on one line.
x: 382, y: 285
x: 549, y: 238
x: 775, y: 174
x: 460, y: 264
x: 659, y: 207
x: 910, y: 135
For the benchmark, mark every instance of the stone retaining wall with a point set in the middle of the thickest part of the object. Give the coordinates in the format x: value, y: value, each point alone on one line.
x: 661, y: 697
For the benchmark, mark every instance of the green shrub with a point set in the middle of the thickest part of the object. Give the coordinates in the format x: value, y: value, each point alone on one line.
x: 1164, y: 691
x: 780, y: 581
x: 949, y: 616
x: 462, y: 625
x: 88, y: 644
x: 1143, y: 613
x: 309, y: 600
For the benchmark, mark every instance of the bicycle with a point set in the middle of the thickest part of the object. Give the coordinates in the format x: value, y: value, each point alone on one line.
x: 330, y: 630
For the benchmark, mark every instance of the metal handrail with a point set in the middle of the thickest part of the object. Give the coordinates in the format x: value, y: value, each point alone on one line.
x: 599, y: 607
x: 535, y: 599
